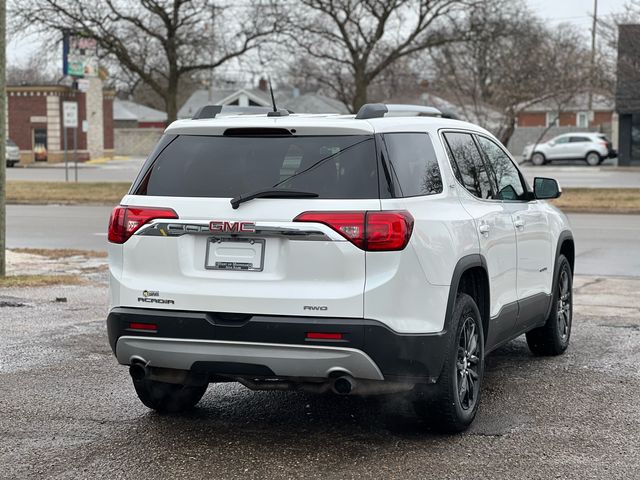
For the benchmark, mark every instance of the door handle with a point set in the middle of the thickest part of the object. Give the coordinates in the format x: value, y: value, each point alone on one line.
x: 519, y: 223
x: 484, y: 229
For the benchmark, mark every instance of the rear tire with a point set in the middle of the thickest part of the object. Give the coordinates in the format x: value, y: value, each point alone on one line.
x: 453, y: 402
x: 538, y: 159
x: 168, y: 397
x: 553, y: 337
x: 593, y: 159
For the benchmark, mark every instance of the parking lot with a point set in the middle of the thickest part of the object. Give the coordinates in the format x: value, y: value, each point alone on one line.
x: 68, y: 411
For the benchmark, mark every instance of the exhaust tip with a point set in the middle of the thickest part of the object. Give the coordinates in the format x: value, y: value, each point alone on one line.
x: 137, y: 371
x: 343, y: 385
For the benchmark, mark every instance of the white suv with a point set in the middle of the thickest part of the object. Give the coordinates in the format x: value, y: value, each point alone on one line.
x: 359, y: 255
x: 593, y: 148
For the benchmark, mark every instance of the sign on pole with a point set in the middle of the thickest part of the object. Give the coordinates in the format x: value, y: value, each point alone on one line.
x: 70, y: 120
x: 70, y: 114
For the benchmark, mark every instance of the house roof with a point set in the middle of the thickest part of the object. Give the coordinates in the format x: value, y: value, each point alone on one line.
x: 313, y: 103
x: 223, y: 96
x: 305, y: 103
x: 128, y: 110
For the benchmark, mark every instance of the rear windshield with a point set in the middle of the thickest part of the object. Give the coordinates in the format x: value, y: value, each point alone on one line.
x: 207, y: 166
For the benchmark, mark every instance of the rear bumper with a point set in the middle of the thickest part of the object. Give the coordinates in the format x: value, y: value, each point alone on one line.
x: 271, y: 346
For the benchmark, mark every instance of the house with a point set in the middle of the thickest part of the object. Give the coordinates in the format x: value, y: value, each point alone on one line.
x: 628, y: 95
x: 225, y: 96
x: 574, y: 113
x: 128, y: 114
x: 291, y: 99
x: 35, y: 121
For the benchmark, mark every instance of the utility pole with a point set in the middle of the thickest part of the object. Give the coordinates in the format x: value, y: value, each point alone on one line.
x: 593, y: 56
x: 3, y: 134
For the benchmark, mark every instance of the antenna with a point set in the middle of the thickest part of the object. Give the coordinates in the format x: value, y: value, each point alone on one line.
x: 276, y: 112
x: 273, y: 100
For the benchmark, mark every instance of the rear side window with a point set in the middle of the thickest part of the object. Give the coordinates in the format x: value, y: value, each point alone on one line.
x: 468, y: 165
x: 207, y: 166
x: 413, y: 164
x: 579, y: 139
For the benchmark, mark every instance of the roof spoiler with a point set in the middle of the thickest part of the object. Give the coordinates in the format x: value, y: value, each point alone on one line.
x: 211, y: 111
x: 379, y: 110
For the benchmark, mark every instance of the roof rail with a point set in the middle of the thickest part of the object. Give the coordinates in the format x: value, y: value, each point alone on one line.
x: 379, y: 110
x: 211, y: 111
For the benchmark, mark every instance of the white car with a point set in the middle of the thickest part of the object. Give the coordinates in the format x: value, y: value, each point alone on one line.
x: 355, y: 254
x: 12, y: 153
x: 593, y: 148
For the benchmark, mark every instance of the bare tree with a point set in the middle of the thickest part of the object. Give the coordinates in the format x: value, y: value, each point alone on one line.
x: 351, y: 43
x: 512, y: 61
x: 160, y: 42
x: 35, y: 70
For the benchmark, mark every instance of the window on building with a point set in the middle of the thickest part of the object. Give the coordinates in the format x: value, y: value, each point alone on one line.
x: 553, y: 119
x: 582, y: 120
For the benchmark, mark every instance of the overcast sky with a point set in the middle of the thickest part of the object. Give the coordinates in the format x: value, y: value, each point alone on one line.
x: 577, y: 12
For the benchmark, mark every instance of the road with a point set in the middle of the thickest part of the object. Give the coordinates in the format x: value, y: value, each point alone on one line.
x: 605, y: 244
x: 68, y: 411
x: 574, y: 174
x: 582, y: 176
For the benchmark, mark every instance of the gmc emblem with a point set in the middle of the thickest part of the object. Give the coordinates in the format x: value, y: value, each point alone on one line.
x: 232, y: 227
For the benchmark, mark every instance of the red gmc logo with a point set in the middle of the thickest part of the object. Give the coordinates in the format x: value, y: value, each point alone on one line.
x: 232, y: 227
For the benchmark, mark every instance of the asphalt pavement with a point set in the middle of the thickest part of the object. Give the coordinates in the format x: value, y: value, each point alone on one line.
x: 605, y: 244
x: 111, y: 171
x: 69, y: 411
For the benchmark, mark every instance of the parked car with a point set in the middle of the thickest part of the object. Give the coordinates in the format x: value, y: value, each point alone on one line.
x: 324, y: 253
x: 593, y: 148
x: 12, y: 153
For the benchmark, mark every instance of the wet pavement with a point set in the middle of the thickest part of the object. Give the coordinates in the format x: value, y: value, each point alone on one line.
x: 68, y: 411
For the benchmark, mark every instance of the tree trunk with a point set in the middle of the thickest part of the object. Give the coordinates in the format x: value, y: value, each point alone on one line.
x: 360, y: 93
x: 508, y: 132
x: 171, y: 103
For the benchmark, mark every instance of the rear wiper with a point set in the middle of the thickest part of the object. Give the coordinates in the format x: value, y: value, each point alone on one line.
x: 270, y: 193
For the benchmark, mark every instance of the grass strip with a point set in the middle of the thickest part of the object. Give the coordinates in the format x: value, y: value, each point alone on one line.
x: 61, y: 252
x: 63, y: 193
x: 599, y: 200
x: 19, y: 281
x: 573, y: 200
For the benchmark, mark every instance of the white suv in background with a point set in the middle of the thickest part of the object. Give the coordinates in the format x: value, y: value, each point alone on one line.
x: 355, y: 254
x: 593, y: 148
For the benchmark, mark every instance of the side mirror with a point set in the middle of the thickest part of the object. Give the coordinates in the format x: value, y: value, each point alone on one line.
x: 546, y: 188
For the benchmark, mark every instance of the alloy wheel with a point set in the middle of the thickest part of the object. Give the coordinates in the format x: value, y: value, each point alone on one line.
x: 468, y: 364
x: 564, y: 306
x: 593, y: 159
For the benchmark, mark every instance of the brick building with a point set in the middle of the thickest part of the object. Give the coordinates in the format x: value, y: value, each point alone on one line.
x: 573, y: 114
x: 628, y: 94
x: 35, y: 122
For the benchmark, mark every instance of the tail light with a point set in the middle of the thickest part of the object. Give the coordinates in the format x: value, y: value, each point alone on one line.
x: 371, y: 231
x: 125, y: 221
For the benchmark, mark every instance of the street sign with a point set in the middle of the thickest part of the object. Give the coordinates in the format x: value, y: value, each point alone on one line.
x: 83, y: 84
x: 70, y: 114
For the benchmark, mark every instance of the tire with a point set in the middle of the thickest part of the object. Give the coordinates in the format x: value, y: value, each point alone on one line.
x: 593, y: 159
x: 538, y: 159
x: 168, y: 397
x: 553, y: 337
x: 447, y: 407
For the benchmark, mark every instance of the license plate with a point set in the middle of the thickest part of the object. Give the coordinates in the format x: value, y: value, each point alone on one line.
x: 228, y: 253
